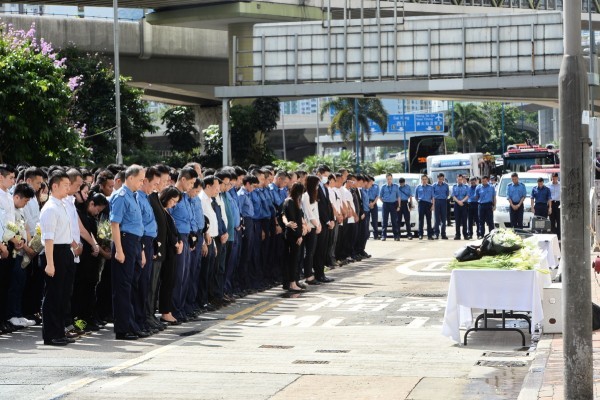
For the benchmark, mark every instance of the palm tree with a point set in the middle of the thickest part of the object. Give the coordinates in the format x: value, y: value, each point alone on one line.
x: 344, y: 118
x: 469, y: 125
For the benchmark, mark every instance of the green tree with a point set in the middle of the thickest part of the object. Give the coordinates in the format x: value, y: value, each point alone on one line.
x: 93, y: 109
x: 180, y: 122
x: 513, y: 128
x: 34, y: 101
x: 469, y: 126
x: 213, y: 147
x: 348, y: 110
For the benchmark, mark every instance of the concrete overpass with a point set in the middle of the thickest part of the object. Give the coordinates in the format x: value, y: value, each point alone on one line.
x: 176, y: 65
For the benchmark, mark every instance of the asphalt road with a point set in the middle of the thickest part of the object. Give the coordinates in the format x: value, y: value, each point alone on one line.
x: 375, y: 333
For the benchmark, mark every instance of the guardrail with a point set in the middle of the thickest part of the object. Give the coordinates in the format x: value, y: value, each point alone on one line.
x: 421, y: 48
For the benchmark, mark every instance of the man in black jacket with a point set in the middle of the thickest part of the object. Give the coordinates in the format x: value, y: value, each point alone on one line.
x: 327, y: 219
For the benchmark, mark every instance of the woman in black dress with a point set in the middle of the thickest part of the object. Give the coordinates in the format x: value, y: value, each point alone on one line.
x: 293, y: 217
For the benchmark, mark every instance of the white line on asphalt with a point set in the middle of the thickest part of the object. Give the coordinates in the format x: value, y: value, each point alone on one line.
x: 406, y: 268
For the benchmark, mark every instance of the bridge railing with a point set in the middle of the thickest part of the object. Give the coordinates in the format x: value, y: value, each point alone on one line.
x: 422, y: 48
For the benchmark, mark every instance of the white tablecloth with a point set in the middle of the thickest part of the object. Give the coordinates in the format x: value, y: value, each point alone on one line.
x: 548, y: 243
x: 493, y: 290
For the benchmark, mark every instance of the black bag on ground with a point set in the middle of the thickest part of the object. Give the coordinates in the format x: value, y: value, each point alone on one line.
x: 468, y: 253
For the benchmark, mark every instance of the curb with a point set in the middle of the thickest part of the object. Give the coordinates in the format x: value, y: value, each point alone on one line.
x: 535, y: 376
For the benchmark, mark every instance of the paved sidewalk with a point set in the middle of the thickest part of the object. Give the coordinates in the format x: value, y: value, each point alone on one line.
x: 545, y: 379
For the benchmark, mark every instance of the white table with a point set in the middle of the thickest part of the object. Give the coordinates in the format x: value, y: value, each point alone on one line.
x: 493, y: 290
x: 548, y: 243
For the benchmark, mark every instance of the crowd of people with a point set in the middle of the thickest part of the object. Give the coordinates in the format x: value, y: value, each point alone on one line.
x: 144, y: 248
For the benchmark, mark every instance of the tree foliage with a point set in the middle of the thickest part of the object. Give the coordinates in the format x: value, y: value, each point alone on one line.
x: 514, y: 131
x: 93, y: 108
x: 35, y: 95
x: 469, y: 126
x: 180, y: 122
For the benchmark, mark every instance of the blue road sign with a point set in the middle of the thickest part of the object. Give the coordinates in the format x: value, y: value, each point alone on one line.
x: 399, y: 123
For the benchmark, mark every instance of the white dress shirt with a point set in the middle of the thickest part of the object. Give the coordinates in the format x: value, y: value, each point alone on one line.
x: 31, y: 212
x: 8, y: 205
x: 221, y: 204
x: 555, y: 191
x: 55, y: 222
x: 347, y: 197
x: 213, y: 229
x: 311, y: 211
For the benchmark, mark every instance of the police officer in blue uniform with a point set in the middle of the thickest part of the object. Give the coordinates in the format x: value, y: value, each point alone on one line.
x: 426, y: 201
x: 516, y: 192
x: 460, y: 194
x: 486, y: 198
x: 472, y: 208
x: 405, y: 204
x: 245, y: 275
x: 541, y: 199
x: 390, y: 196
x: 182, y: 215
x: 261, y: 214
x: 441, y: 192
x: 191, y: 303
x: 373, y: 193
x: 127, y: 230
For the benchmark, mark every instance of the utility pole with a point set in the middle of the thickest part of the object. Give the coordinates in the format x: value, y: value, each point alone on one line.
x: 356, y: 129
x: 117, y: 81
x: 575, y: 168
x: 503, y: 148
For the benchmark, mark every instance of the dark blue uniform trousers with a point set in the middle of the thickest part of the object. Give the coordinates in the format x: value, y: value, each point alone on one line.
x: 194, y: 276
x: 182, y: 270
x: 122, y: 282
x: 441, y: 214
x: 472, y: 218
x: 141, y: 283
x: 460, y: 216
x: 486, y: 217
x: 425, y: 214
x: 390, y: 211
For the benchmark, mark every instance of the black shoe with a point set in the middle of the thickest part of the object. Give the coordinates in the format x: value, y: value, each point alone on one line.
x: 301, y: 285
x: 479, y: 237
x: 436, y: 237
x: 314, y: 282
x: 429, y: 237
x: 71, y: 334
x: 70, y: 340
x: 325, y: 279
x: 444, y: 237
x: 126, y: 336
x: 365, y: 255
x: 295, y: 290
x: 56, y: 342
x: 410, y: 237
x: 396, y: 239
x: 176, y: 322
x: 420, y: 237
x: 143, y: 334
x: 456, y: 237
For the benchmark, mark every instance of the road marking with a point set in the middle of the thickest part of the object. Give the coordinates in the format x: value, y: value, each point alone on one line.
x: 431, y: 263
x: 417, y: 322
x: 246, y: 311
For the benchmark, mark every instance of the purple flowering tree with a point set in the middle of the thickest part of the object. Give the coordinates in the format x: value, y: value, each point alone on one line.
x: 35, y: 98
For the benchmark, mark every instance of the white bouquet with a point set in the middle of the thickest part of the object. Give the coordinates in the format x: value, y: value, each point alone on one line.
x: 11, y: 230
x: 35, y: 244
x: 105, y: 232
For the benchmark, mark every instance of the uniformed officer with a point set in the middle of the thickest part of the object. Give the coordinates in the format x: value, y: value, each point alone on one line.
x: 426, y: 201
x: 127, y: 230
x: 486, y: 198
x: 441, y: 192
x: 261, y: 214
x: 460, y: 194
x: 182, y: 215
x: 405, y: 205
x: 247, y: 212
x: 472, y: 205
x: 390, y: 196
x: 541, y: 199
x: 374, y: 208
x: 516, y: 194
x: 555, y: 214
x: 143, y: 275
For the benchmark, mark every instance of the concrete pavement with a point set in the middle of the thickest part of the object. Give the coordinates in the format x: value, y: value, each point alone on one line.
x: 375, y: 333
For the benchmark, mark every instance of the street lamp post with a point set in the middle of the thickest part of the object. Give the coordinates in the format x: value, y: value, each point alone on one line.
x: 117, y: 81
x: 575, y: 168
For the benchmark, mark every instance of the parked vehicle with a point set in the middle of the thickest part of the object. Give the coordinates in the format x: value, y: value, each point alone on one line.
x: 502, y: 213
x: 412, y: 180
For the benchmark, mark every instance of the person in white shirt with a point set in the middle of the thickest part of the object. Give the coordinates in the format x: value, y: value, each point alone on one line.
x: 336, y: 202
x: 310, y: 208
x: 555, y: 205
x: 350, y: 228
x: 57, y: 239
x: 211, y: 190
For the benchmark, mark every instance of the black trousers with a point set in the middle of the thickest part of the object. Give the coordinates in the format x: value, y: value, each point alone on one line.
x: 6, y: 265
x: 350, y: 239
x: 292, y: 251
x: 460, y: 216
x: 555, y: 218
x: 167, y: 282
x: 404, y: 213
x: 425, y: 216
x: 87, y: 277
x: 152, y: 298
x: 472, y: 218
x: 321, y: 251
x: 516, y: 217
x: 34, y: 288
x: 206, y: 270
x: 310, y: 246
x: 486, y: 217
x: 53, y: 313
x: 375, y: 220
x: 67, y: 299
x: 541, y: 210
x: 122, y: 283
x: 104, y: 291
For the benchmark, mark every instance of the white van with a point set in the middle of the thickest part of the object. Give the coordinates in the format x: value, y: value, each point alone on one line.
x: 412, y: 180
x: 502, y: 213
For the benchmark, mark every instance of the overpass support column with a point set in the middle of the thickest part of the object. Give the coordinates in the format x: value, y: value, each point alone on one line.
x: 242, y: 33
x: 225, y: 134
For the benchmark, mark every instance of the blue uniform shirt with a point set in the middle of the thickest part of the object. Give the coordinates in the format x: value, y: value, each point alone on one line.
x: 516, y: 192
x: 405, y: 192
x: 365, y: 199
x: 460, y: 191
x: 389, y: 193
x: 196, y: 205
x: 541, y: 195
x: 260, y: 212
x: 125, y: 210
x: 246, y: 205
x: 277, y: 194
x: 373, y: 192
x: 235, y: 207
x: 229, y: 213
x: 424, y: 193
x: 485, y: 193
x: 182, y: 215
x: 150, y: 225
x: 267, y: 202
x: 441, y: 191
x: 472, y: 191
x: 217, y: 208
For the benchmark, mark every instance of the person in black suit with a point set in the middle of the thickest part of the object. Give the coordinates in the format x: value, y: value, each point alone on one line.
x: 327, y: 222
